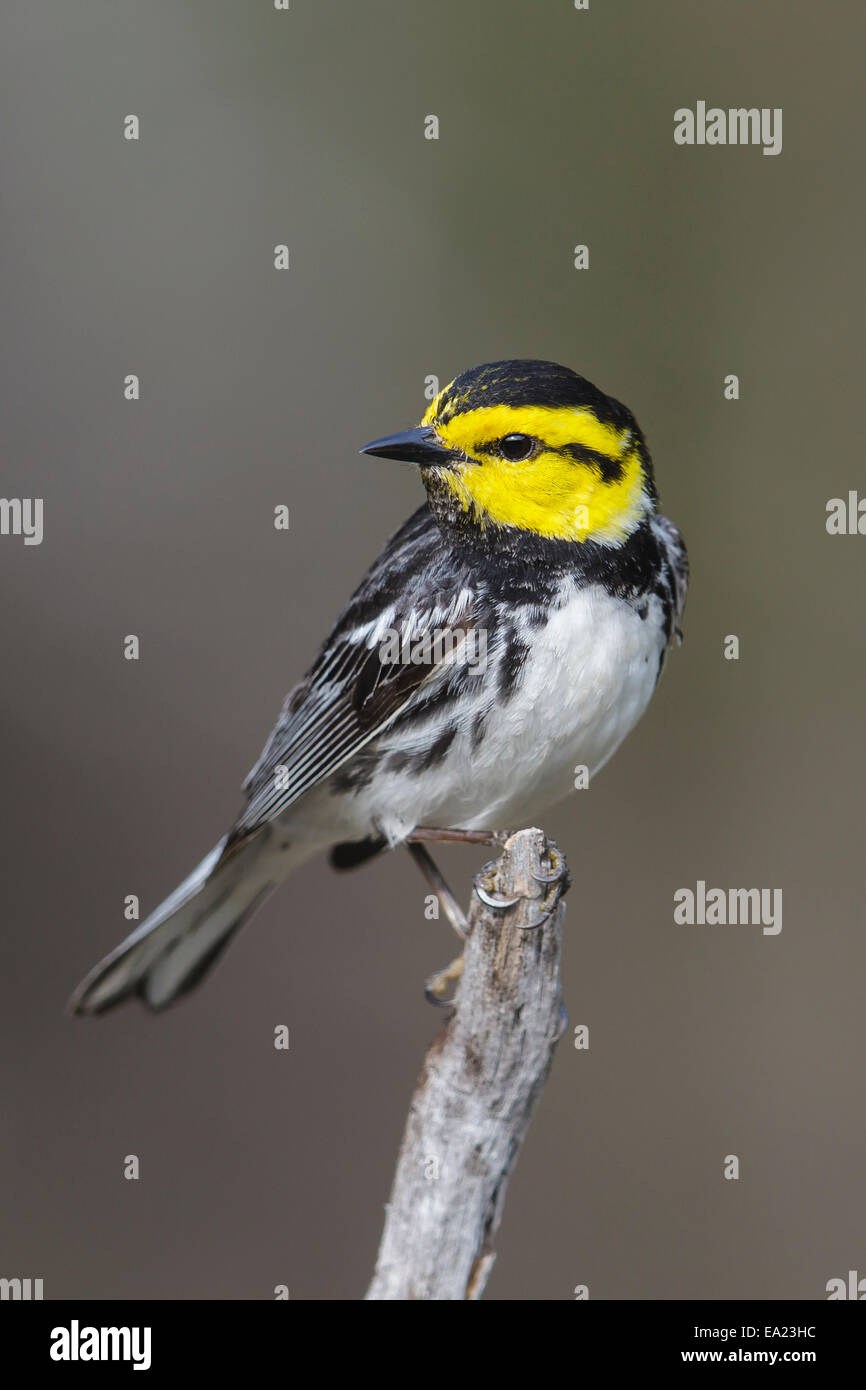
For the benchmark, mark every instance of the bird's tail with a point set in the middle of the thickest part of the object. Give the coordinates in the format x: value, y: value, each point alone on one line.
x: 181, y: 939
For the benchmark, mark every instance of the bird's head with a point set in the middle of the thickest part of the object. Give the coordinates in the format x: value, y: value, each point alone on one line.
x: 533, y: 446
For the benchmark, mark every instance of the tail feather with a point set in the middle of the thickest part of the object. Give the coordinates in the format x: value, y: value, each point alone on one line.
x: 175, y: 946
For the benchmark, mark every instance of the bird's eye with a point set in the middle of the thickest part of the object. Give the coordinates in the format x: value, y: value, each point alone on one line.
x: 515, y: 447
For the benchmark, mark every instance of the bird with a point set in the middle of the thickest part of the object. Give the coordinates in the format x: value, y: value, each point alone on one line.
x: 512, y: 630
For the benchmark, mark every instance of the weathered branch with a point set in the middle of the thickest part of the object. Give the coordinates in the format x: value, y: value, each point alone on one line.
x: 481, y: 1078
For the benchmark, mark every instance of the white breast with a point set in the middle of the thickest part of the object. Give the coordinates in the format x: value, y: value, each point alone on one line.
x: 587, y: 679
x: 590, y: 675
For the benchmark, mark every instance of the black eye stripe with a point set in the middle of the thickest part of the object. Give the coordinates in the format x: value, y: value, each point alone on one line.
x: 611, y: 469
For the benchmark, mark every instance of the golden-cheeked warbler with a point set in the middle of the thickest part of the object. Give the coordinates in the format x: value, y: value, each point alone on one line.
x: 513, y: 629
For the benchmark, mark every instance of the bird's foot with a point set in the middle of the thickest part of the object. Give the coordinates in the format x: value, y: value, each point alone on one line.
x: 434, y: 835
x: 436, y: 988
x: 447, y: 901
x: 554, y: 885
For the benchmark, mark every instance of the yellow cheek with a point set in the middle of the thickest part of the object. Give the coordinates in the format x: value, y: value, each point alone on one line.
x: 553, y: 497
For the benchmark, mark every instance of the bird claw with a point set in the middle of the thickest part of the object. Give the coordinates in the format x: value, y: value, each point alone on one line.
x: 492, y: 899
x: 433, y: 998
x: 436, y: 987
x: 547, y: 878
x: 540, y: 921
x: 560, y: 877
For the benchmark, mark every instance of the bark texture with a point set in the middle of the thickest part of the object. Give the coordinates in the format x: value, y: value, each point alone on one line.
x: 481, y: 1078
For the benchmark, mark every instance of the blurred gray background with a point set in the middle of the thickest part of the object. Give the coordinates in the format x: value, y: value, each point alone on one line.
x: 411, y: 257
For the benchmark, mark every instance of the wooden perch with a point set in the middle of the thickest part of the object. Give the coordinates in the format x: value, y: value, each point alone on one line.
x: 480, y: 1081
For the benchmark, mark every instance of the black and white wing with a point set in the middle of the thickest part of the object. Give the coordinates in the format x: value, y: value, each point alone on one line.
x: 676, y: 566
x: 354, y: 691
